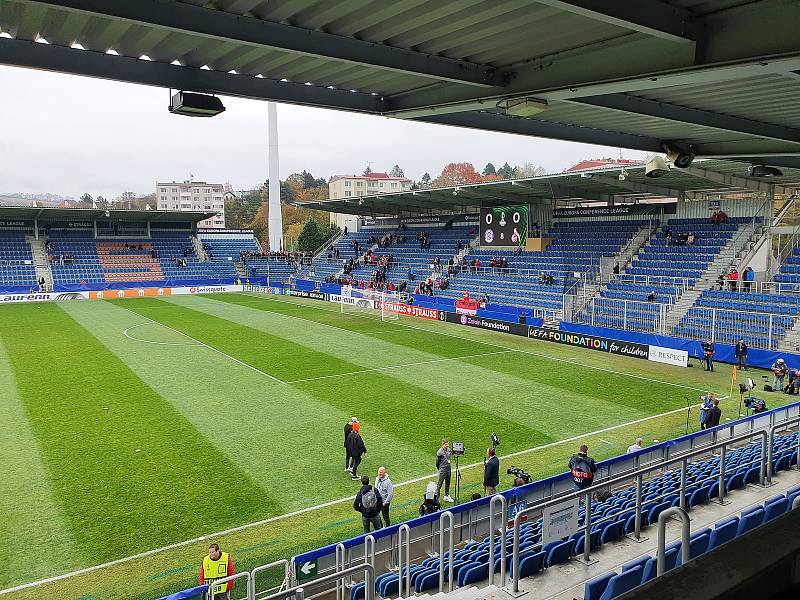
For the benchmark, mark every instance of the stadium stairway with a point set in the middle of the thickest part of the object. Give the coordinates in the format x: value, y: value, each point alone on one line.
x: 40, y: 261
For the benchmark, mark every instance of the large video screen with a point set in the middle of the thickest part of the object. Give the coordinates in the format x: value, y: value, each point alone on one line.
x: 504, y: 226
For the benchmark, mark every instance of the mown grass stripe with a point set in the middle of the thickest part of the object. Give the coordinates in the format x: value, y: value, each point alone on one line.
x: 90, y: 415
x: 25, y: 485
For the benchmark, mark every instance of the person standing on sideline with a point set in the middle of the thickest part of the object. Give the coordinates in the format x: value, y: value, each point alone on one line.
x: 741, y: 354
x: 355, y: 449
x: 636, y: 446
x: 348, y: 428
x: 582, y: 468
x: 779, y: 372
x: 705, y: 406
x: 443, y: 466
x: 217, y: 565
x: 385, y: 488
x: 714, y: 414
x: 708, y: 354
x: 368, y: 502
x: 491, y: 473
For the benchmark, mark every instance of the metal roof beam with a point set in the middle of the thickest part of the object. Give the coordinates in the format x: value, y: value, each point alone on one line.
x: 652, y: 17
x: 683, y: 114
x: 219, y: 25
x: 737, y: 181
x: 648, y: 188
x: 560, y: 192
x: 21, y: 53
x: 532, y: 127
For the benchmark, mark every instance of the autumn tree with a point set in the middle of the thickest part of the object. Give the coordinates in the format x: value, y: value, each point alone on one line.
x: 457, y: 174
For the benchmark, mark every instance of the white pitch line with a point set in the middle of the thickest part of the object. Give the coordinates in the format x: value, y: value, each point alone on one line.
x: 130, y: 337
x: 301, y: 511
x: 400, y: 366
x: 529, y: 352
x: 199, y: 343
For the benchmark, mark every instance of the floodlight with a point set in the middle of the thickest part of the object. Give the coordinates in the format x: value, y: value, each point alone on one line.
x: 656, y: 167
x: 678, y: 156
x: 190, y: 104
x: 763, y: 171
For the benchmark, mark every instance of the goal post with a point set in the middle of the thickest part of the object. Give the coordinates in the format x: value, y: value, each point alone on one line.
x: 365, y: 301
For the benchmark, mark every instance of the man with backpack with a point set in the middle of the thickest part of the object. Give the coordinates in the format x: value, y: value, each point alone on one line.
x: 369, y: 503
x: 582, y: 468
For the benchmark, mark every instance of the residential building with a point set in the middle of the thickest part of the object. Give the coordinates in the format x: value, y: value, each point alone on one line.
x: 194, y: 196
x: 371, y: 184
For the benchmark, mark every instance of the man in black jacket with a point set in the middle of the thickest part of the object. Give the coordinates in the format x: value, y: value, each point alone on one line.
x: 741, y: 354
x: 348, y: 428
x: 491, y: 473
x: 369, y: 503
x: 582, y: 468
x: 355, y: 449
x: 714, y: 413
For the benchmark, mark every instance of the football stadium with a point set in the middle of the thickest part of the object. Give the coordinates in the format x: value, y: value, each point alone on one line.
x: 565, y: 385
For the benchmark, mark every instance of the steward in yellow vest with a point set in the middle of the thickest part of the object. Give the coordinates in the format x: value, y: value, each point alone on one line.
x: 217, y: 565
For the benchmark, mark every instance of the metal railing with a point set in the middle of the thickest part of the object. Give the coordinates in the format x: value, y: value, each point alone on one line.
x: 722, y: 325
x: 637, y: 475
x: 298, y: 591
x: 681, y: 283
x: 661, y: 561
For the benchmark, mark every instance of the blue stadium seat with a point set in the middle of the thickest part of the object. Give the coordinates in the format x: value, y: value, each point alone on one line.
x: 624, y: 582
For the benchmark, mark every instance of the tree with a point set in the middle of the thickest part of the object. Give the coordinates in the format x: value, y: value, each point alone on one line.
x: 457, y: 174
x: 397, y: 171
x: 101, y: 200
x: 309, y: 238
x: 506, y: 171
x: 425, y: 182
x: 489, y: 170
x: 86, y: 198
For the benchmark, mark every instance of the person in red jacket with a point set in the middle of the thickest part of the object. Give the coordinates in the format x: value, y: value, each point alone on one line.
x: 217, y: 565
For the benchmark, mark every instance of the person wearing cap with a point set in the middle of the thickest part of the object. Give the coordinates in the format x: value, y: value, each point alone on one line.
x: 348, y: 429
x: 779, y: 371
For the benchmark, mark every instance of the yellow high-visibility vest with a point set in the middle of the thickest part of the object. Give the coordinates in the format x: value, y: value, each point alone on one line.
x: 216, y: 569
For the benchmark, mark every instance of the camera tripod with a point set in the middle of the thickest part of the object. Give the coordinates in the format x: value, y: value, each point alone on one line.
x: 458, y: 480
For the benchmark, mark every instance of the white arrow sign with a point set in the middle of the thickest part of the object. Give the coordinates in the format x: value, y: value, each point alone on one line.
x: 307, y: 568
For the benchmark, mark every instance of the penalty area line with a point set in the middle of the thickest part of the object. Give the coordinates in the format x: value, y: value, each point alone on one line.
x: 309, y: 509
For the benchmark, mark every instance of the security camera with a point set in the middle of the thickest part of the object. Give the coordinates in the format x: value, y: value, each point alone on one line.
x: 678, y: 156
x: 656, y: 167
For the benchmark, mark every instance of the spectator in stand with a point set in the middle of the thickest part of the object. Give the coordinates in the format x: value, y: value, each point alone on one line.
x: 749, y: 277
x: 741, y: 354
x: 651, y: 297
x: 356, y: 449
x: 615, y: 270
x: 733, y: 279
x: 690, y: 239
x: 491, y: 473
x: 384, y: 486
x: 217, y: 565
x: 582, y: 468
x: 368, y: 502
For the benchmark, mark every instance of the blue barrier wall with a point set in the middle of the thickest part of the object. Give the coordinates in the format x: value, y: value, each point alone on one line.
x: 723, y: 352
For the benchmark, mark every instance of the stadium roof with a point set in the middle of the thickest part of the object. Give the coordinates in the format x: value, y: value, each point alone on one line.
x: 718, y: 76
x: 27, y: 213
x: 704, y: 179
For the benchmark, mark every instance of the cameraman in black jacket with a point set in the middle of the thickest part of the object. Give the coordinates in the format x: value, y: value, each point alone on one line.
x: 491, y: 473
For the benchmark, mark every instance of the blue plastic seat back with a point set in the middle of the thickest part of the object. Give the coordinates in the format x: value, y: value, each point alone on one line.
x: 775, y: 509
x: 612, y: 532
x: 750, y: 521
x: 560, y: 554
x: 722, y: 533
x: 624, y: 582
x: 532, y: 564
x: 427, y: 580
x: 651, y: 567
x: 697, y: 546
x: 472, y: 573
x: 639, y: 562
x: 594, y: 588
x: 357, y: 591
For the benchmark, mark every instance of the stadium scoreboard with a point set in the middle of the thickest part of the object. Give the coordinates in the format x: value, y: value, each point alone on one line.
x: 504, y: 226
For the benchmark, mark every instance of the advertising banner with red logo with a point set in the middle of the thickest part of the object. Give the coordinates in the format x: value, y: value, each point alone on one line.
x: 467, y: 307
x: 411, y: 310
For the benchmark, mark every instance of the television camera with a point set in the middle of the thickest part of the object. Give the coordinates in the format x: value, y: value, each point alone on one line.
x: 519, y: 473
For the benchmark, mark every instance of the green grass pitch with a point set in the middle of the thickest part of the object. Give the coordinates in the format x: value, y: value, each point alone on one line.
x: 132, y: 425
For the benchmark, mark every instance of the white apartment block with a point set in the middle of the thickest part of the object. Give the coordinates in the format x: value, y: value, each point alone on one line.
x: 353, y: 186
x: 194, y: 196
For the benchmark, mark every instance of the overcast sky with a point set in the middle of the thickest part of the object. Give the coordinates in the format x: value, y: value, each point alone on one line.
x: 69, y: 135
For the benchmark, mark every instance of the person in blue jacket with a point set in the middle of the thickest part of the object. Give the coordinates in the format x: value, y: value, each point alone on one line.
x: 705, y: 408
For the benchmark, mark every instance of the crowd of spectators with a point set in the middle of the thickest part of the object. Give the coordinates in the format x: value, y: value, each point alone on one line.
x: 681, y: 239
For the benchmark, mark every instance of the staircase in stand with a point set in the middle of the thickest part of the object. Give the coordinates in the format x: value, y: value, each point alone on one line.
x: 40, y: 261
x: 791, y: 339
x: 198, y: 249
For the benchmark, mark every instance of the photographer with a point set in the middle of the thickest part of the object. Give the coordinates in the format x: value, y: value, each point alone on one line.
x: 491, y: 473
x: 443, y: 467
x: 582, y: 468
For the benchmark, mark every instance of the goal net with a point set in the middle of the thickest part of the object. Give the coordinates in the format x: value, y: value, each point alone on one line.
x: 387, y: 304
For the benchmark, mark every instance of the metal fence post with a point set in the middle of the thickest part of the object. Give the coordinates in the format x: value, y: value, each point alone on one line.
x: 492, y: 531
x: 625, y: 315
x: 721, y: 490
x: 769, y: 333
x: 662, y: 530
x: 339, y: 561
x: 638, y: 530
x: 587, y: 521
x: 404, y: 532
x: 446, y: 516
x: 684, y: 467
